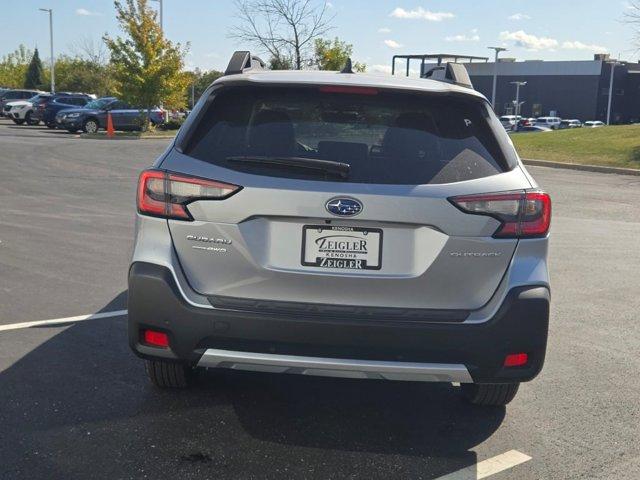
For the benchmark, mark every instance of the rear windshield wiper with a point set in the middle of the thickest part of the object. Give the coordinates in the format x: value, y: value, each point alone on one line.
x: 323, y: 166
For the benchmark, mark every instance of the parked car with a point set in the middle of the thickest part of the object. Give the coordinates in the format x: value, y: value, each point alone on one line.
x: 509, y: 121
x: 594, y: 124
x: 526, y: 122
x: 93, y: 116
x: 271, y: 238
x: 564, y: 124
x: 534, y: 128
x: 21, y: 111
x: 13, y: 95
x: 551, y: 122
x: 49, y: 107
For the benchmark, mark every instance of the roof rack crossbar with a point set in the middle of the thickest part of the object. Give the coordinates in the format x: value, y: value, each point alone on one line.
x: 241, y: 61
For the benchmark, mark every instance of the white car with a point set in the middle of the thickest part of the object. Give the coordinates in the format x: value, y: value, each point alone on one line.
x: 21, y: 111
x: 509, y: 121
x: 594, y: 124
x: 549, y: 122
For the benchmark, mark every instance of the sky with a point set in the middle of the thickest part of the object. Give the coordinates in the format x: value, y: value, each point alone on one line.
x: 378, y: 29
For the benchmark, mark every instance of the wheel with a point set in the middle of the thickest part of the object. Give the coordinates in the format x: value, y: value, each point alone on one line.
x: 489, y: 394
x: 169, y: 374
x: 30, y: 120
x: 90, y: 126
x: 18, y: 121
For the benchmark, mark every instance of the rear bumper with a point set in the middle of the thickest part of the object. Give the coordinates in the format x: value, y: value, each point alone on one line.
x: 338, y: 346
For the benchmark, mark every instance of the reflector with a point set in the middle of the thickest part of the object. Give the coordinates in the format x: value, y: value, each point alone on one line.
x: 516, y: 360
x: 155, y: 339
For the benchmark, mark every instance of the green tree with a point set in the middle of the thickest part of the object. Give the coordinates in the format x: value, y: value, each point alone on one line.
x: 333, y: 55
x: 13, y: 67
x: 200, y: 81
x: 77, y: 74
x: 280, y: 62
x: 147, y: 68
x: 33, y: 77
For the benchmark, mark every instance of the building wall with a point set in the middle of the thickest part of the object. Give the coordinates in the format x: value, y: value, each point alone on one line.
x: 570, y: 89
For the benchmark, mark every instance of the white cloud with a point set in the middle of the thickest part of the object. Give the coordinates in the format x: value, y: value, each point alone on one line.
x: 392, y: 44
x: 575, y: 45
x: 519, y: 16
x: 421, y: 14
x: 384, y: 30
x: 528, y: 41
x: 473, y: 37
x: 380, y: 69
x: 83, y: 12
x: 329, y: 5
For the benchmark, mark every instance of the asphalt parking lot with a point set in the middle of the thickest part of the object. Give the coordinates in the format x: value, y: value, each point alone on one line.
x: 75, y: 404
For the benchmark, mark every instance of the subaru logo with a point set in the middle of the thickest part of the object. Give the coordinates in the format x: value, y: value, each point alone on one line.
x: 344, y: 207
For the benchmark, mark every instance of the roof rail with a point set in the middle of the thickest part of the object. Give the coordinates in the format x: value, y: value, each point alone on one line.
x: 454, y: 73
x: 241, y: 61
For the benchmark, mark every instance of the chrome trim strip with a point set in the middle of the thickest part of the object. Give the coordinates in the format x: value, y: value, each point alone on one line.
x: 335, y: 367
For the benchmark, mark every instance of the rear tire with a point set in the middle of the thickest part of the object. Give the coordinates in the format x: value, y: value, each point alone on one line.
x: 489, y: 395
x: 169, y: 374
x: 18, y: 121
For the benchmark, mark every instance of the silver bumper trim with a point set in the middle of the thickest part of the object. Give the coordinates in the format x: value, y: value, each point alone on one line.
x: 335, y: 367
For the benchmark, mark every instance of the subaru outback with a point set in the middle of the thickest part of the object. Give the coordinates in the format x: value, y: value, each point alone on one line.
x: 344, y: 225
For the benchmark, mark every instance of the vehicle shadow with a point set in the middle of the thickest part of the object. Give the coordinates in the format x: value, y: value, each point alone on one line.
x: 77, y: 405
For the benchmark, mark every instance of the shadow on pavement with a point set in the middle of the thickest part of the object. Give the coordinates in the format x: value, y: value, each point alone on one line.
x: 78, y: 405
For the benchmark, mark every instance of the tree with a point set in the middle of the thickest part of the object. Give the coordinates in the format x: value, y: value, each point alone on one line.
x: 284, y: 28
x: 147, y: 68
x: 333, y: 55
x: 13, y: 67
x: 33, y: 77
x: 280, y: 63
x: 200, y: 81
x: 77, y: 74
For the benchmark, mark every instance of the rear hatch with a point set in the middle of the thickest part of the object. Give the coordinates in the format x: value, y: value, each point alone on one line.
x: 343, y: 199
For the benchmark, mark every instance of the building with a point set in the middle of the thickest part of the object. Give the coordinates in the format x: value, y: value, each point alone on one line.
x: 568, y: 89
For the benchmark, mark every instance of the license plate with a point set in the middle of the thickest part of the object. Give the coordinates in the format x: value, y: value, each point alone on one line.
x: 348, y: 248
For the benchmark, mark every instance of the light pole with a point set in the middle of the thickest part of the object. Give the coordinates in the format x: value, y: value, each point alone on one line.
x: 161, y: 24
x: 614, y: 64
x: 518, y: 85
x: 53, y: 67
x: 495, y: 74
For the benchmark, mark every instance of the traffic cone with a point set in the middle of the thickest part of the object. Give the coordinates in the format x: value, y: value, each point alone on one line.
x: 110, y: 130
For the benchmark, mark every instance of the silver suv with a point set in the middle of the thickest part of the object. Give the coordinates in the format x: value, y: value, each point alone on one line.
x: 343, y: 225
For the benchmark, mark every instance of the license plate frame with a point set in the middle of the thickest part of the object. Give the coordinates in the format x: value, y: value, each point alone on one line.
x: 342, y: 258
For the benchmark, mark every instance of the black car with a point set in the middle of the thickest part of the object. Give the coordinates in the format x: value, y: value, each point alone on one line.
x: 13, y: 95
x: 93, y: 116
x: 47, y: 110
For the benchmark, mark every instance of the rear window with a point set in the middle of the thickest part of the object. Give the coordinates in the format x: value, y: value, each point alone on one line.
x: 384, y: 137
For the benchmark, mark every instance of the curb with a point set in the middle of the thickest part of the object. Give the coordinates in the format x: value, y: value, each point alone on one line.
x: 584, y: 168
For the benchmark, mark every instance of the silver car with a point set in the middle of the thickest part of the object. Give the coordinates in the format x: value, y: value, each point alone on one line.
x: 344, y: 225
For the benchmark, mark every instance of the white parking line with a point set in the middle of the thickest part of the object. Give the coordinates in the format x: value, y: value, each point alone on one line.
x: 79, y: 318
x: 489, y: 467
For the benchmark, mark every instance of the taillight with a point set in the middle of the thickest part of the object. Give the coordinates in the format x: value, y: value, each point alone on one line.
x: 523, y: 214
x: 164, y: 194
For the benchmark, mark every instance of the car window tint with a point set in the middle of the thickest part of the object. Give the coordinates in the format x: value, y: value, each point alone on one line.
x: 387, y: 138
